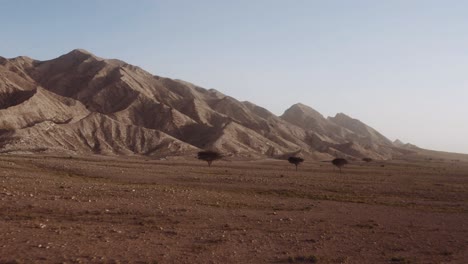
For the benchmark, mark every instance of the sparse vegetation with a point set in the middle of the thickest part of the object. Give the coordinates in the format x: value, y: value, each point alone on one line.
x: 303, y: 259
x: 339, y: 162
x: 400, y: 260
x: 366, y: 226
x: 367, y: 159
x: 446, y: 253
x: 76, y: 199
x: 209, y: 156
x: 295, y: 160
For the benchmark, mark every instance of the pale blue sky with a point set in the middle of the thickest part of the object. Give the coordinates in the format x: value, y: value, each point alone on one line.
x: 399, y: 66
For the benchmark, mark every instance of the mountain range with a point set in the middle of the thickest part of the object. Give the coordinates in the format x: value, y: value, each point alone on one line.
x: 79, y: 103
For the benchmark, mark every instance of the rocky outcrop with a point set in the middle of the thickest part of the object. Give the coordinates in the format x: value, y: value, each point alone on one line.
x: 81, y: 103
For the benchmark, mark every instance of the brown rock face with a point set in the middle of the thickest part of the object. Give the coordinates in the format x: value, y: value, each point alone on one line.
x: 80, y: 103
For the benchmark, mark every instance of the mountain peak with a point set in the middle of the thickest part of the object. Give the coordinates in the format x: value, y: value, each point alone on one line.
x: 79, y: 54
x: 305, y: 117
x: 300, y: 106
x: 343, y: 116
x: 398, y: 143
x: 22, y: 59
x: 360, y: 128
x: 304, y: 109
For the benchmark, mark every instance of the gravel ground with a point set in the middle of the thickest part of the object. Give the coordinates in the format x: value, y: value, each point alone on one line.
x: 178, y: 210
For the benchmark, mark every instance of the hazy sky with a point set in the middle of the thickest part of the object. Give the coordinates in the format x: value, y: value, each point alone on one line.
x: 399, y: 66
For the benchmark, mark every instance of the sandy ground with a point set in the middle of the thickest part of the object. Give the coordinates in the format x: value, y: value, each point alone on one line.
x: 129, y: 210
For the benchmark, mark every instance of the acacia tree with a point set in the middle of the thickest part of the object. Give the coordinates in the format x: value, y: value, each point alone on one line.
x: 339, y: 162
x: 295, y: 160
x: 209, y: 156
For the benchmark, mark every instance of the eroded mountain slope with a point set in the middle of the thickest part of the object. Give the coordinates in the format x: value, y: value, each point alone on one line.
x: 80, y: 103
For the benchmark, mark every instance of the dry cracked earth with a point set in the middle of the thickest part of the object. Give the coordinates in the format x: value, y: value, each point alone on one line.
x: 136, y: 210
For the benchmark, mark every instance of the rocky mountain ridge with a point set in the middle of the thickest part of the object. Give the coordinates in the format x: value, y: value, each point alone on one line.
x: 79, y: 103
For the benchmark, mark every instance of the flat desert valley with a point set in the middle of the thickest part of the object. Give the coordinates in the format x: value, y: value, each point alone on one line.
x: 98, y: 209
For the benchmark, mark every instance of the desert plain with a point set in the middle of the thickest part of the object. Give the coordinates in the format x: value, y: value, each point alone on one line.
x: 97, y: 209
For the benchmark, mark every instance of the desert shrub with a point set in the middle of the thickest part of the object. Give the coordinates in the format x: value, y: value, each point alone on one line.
x: 295, y: 160
x: 303, y: 259
x: 400, y: 260
x: 339, y: 162
x: 209, y: 156
x: 367, y: 159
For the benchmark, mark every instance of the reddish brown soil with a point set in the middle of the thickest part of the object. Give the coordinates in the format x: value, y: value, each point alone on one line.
x: 109, y: 210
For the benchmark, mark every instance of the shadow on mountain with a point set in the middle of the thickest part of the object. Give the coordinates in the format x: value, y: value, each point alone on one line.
x: 16, y: 97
